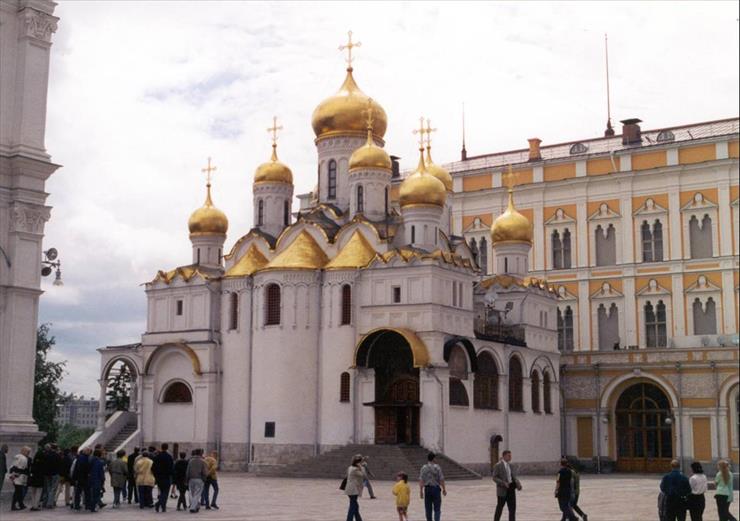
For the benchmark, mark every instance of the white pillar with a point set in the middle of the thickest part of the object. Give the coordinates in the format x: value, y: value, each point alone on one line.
x: 584, y: 317
x: 101, y: 404
x: 582, y: 234
x: 725, y: 218
x: 675, y: 224
x: 678, y: 305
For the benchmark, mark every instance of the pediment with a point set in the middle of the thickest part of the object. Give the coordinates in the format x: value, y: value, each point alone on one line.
x: 560, y: 217
x: 478, y: 225
x: 698, y: 202
x: 604, y: 213
x: 565, y: 295
x: 653, y: 288
x: 606, y: 291
x: 650, y: 207
x: 702, y: 285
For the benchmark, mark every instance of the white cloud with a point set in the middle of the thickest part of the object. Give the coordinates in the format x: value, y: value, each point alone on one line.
x: 142, y: 92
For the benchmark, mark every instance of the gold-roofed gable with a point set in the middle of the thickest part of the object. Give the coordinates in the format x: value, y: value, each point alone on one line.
x: 511, y: 226
x: 250, y: 262
x: 356, y: 254
x: 302, y: 254
x: 186, y: 273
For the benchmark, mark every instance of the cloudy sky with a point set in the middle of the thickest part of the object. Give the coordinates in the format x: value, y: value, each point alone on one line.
x: 141, y: 93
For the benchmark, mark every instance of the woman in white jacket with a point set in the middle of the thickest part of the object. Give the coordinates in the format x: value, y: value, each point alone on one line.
x: 355, y: 478
x: 19, y: 478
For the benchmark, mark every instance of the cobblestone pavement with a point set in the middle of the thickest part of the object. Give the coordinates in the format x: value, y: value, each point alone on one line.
x: 245, y: 497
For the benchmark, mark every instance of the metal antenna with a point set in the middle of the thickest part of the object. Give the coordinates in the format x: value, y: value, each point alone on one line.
x: 609, y: 130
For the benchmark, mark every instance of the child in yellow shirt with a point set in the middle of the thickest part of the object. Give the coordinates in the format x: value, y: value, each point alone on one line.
x: 402, y: 491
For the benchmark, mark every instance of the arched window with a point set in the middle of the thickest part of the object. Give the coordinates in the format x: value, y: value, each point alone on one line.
x: 260, y: 212
x: 647, y: 242
x: 565, y: 329
x: 515, y: 385
x: 386, y: 200
x: 608, y: 323
x: 344, y: 387
x: 286, y: 213
x: 705, y: 317
x: 234, y: 316
x: 474, y: 249
x: 655, y: 325
x: 177, y: 392
x: 346, y: 305
x: 546, y: 393
x: 485, y: 385
x: 657, y: 240
x: 566, y: 249
x: 535, y: 382
x: 458, y: 365
x: 332, y: 180
x: 483, y: 252
x: 700, y: 237
x: 557, y: 251
x: 413, y: 234
x: 272, y: 305
x: 606, y: 246
x: 360, y: 199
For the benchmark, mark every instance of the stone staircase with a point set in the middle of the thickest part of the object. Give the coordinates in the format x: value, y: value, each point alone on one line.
x: 384, y: 462
x: 122, y: 435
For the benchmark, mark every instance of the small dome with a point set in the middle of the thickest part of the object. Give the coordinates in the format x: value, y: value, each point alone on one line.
x: 511, y: 226
x: 422, y: 188
x: 344, y: 112
x: 370, y: 155
x: 438, y: 172
x: 273, y: 171
x: 208, y: 219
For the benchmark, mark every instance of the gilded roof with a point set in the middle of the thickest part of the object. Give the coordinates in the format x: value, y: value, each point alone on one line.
x: 303, y: 253
x: 438, y: 172
x: 370, y: 155
x: 187, y: 273
x: 208, y: 219
x: 511, y: 225
x: 507, y: 281
x: 250, y: 262
x: 273, y: 171
x: 356, y: 254
x: 422, y: 188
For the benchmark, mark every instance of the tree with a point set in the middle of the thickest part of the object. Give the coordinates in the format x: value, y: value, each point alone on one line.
x: 69, y: 435
x: 46, y: 394
x: 117, y: 395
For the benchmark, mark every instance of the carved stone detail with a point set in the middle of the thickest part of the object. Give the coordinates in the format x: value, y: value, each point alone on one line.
x: 31, y: 220
x: 39, y: 25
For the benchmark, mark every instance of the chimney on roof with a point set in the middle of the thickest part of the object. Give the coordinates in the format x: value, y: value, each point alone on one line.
x: 631, y: 134
x: 534, y: 149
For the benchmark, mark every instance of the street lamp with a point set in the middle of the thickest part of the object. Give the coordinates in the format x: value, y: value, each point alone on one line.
x: 51, y: 262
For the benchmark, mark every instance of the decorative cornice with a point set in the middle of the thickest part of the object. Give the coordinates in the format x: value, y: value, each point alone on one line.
x: 39, y: 26
x: 29, y: 219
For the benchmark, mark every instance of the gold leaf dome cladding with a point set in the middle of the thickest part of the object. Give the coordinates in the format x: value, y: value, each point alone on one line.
x: 422, y: 188
x: 302, y: 254
x: 356, y: 254
x: 511, y: 226
x: 439, y: 172
x: 370, y: 155
x: 344, y: 112
x: 273, y: 171
x: 208, y: 219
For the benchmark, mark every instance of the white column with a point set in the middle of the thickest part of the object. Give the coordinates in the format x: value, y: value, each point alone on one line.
x: 725, y: 219
x: 582, y: 234
x: 539, y: 226
x: 628, y: 233
x: 630, y: 311
x: 728, y: 302
x: 678, y: 305
x: 675, y: 224
x: 584, y: 317
x: 101, y: 404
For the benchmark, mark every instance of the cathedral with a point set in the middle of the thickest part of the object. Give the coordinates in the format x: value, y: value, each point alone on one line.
x: 359, y: 318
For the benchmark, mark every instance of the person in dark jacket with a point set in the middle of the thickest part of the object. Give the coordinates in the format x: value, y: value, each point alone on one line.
x: 162, y: 466
x: 51, y: 477
x: 79, y: 477
x: 179, y: 475
x: 676, y: 488
x: 133, y: 493
x: 65, y: 474
x: 96, y: 479
x: 36, y: 479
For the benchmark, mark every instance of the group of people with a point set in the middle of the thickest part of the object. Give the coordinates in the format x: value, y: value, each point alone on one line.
x: 81, y: 475
x: 680, y: 494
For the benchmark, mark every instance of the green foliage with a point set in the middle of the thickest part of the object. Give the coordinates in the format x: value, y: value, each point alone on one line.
x: 46, y: 394
x: 117, y: 395
x: 70, y: 435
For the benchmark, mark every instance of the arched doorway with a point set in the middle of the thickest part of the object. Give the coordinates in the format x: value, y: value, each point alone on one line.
x: 644, y: 429
x: 397, y: 405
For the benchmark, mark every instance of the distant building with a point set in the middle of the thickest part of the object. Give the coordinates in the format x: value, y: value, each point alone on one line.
x: 80, y: 412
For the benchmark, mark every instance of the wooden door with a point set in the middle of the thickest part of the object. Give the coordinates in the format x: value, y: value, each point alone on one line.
x: 386, y: 425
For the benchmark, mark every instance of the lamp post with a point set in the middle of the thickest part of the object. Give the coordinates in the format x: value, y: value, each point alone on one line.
x: 50, y: 262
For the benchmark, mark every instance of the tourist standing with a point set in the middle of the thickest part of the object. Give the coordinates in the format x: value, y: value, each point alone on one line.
x: 723, y: 494
x: 96, y: 479
x: 80, y: 471
x: 576, y: 483
x: 19, y: 478
x: 402, y: 491
x: 355, y: 480
x: 431, y: 483
x: 368, y: 475
x: 51, y: 477
x: 211, y: 462
x: 196, y: 475
x: 564, y: 491
x: 65, y: 478
x: 162, y: 469
x: 698, y: 482
x: 36, y: 479
x: 118, y: 471
x: 3, y: 465
x: 144, y: 480
x: 676, y: 488
x: 133, y: 492
x: 506, y: 486
x: 180, y: 480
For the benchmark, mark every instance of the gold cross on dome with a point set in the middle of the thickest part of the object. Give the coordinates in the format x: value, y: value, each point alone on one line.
x: 207, y: 170
x: 350, y: 45
x: 369, y: 113
x: 421, y: 131
x: 429, y: 131
x: 510, y: 179
x: 274, y: 129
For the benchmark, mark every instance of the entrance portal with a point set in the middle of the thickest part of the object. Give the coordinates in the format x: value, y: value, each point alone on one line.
x: 644, y: 437
x: 397, y: 406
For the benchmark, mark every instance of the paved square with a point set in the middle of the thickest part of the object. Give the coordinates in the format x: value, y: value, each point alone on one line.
x: 245, y: 497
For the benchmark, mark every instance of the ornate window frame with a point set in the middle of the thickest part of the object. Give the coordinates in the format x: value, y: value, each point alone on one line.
x: 650, y: 211
x: 605, y: 216
x: 702, y: 288
x: 654, y: 292
x: 698, y: 206
x: 568, y: 299
x: 607, y: 295
x: 560, y: 221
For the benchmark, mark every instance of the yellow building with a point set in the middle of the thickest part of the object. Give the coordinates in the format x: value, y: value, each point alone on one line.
x: 639, y: 234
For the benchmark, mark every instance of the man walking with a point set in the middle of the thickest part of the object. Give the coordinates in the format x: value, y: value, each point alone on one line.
x: 676, y: 488
x: 564, y: 491
x: 211, y: 462
x: 196, y: 474
x: 162, y: 467
x: 431, y: 482
x: 133, y: 492
x: 506, y: 486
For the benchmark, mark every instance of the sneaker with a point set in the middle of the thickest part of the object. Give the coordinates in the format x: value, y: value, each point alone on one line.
x: 215, y: 506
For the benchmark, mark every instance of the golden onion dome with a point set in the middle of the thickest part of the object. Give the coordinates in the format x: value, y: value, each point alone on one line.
x: 208, y: 220
x: 344, y: 112
x: 511, y: 226
x: 370, y: 155
x: 438, y: 172
x: 422, y: 188
x: 273, y: 171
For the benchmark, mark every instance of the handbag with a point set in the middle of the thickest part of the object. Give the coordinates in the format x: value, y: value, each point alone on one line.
x: 343, y: 484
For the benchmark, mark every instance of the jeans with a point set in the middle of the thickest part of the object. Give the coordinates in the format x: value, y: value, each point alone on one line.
x: 204, y: 499
x: 510, y: 501
x: 723, y: 508
x: 117, y: 492
x: 369, y: 486
x: 433, y: 501
x: 133, y: 492
x: 696, y: 505
x: 196, y: 490
x: 353, y: 512
x: 19, y: 492
x: 182, y: 491
x: 565, y: 508
x: 163, y: 485
x: 145, y: 496
x: 51, y: 484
